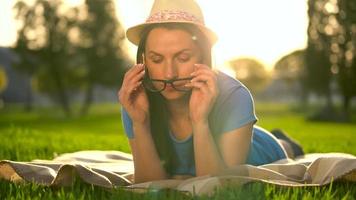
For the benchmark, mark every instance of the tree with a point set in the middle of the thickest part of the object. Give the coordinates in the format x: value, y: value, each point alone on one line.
x: 318, y: 76
x: 292, y: 70
x: 101, y: 42
x: 3, y: 80
x: 3, y: 84
x: 290, y: 67
x: 345, y: 50
x: 251, y: 73
x: 330, y: 54
x: 44, y: 47
x: 68, y: 50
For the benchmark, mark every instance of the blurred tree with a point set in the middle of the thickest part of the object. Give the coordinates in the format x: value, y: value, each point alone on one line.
x: 318, y: 76
x: 3, y: 79
x: 101, y: 41
x: 251, y: 73
x: 44, y: 48
x: 331, y: 49
x: 291, y: 69
x: 69, y: 49
x: 3, y: 84
x: 344, y: 50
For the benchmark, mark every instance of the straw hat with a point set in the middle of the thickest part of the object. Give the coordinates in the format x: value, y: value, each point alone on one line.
x: 173, y: 11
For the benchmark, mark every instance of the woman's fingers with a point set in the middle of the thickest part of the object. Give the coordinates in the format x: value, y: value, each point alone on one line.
x: 132, y: 80
x: 133, y: 72
x: 206, y: 75
x: 206, y: 78
x: 197, y: 65
x: 134, y: 75
x: 137, y: 78
x: 201, y: 69
x: 199, y: 85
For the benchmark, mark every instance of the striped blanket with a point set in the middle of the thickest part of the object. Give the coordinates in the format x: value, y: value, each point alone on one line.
x: 111, y: 169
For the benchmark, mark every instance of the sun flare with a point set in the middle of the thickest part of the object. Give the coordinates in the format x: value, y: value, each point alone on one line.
x: 264, y: 30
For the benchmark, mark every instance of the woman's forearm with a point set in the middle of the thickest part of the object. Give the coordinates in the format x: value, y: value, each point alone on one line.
x: 207, y: 157
x: 146, y: 159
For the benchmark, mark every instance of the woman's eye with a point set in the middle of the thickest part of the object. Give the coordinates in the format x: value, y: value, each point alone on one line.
x: 184, y: 58
x: 156, y: 59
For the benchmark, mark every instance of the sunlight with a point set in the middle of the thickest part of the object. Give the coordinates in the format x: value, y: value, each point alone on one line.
x: 264, y: 30
x: 74, y: 2
x: 7, y: 25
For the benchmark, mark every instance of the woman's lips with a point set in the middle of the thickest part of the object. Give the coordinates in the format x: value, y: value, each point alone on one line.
x: 169, y: 87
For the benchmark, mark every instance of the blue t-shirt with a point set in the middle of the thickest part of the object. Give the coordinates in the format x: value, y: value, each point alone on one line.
x: 233, y: 109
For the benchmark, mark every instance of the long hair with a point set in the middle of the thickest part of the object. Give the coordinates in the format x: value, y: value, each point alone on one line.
x: 158, y: 110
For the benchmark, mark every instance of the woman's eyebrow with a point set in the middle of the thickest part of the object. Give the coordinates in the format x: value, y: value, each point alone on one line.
x: 183, y: 51
x: 155, y: 53
x: 179, y: 52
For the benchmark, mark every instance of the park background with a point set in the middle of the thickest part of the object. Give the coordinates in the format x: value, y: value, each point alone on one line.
x: 62, y: 62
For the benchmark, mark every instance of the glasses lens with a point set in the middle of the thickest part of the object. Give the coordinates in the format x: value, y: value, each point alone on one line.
x: 153, y: 86
x: 180, y: 85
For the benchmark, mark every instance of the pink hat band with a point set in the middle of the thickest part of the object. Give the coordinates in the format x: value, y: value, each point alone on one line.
x: 171, y: 15
x: 172, y: 11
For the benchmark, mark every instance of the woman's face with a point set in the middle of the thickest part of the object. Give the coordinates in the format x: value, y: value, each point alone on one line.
x: 171, y: 53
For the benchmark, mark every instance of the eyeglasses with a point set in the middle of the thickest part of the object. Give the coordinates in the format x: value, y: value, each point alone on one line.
x: 158, y: 85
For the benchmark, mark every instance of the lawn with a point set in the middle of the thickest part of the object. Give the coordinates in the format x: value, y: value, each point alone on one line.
x: 45, y: 133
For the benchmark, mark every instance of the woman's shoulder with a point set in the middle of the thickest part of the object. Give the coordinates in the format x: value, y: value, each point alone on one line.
x: 234, y: 106
x: 229, y: 86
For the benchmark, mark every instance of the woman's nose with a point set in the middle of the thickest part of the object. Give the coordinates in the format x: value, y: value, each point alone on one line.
x: 171, y: 71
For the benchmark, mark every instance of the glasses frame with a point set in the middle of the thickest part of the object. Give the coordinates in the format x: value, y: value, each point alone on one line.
x: 170, y: 81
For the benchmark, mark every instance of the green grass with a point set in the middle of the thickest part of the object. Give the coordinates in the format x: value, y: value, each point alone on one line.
x: 313, y: 136
x: 46, y: 132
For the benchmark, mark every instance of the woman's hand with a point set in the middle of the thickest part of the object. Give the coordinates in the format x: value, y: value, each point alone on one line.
x: 204, y: 93
x: 132, y: 95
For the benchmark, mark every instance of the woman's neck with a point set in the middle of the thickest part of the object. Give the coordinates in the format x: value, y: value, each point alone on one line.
x: 178, y: 108
x: 179, y: 119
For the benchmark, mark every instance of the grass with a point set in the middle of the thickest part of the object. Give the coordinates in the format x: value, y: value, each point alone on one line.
x: 313, y: 136
x: 45, y: 133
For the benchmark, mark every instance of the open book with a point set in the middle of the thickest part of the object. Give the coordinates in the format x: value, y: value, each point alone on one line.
x: 110, y: 169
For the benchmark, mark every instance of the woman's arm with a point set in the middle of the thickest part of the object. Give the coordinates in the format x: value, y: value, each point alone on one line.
x: 207, y: 158
x: 146, y: 160
x: 233, y: 145
x: 204, y: 94
x: 133, y: 99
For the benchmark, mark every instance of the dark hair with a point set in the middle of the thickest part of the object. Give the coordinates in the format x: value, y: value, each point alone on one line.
x: 158, y: 110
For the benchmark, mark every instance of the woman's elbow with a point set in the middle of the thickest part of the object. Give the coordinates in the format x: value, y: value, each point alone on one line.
x: 141, y: 178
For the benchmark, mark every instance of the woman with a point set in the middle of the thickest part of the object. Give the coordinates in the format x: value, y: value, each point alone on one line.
x: 182, y: 118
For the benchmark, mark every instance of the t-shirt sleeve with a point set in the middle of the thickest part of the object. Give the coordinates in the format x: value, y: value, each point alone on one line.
x: 127, y: 123
x: 236, y: 111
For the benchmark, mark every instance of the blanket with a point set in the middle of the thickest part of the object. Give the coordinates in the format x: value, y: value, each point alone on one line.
x: 110, y: 169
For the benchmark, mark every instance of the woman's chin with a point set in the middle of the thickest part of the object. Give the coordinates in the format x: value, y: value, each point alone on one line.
x: 173, y: 95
